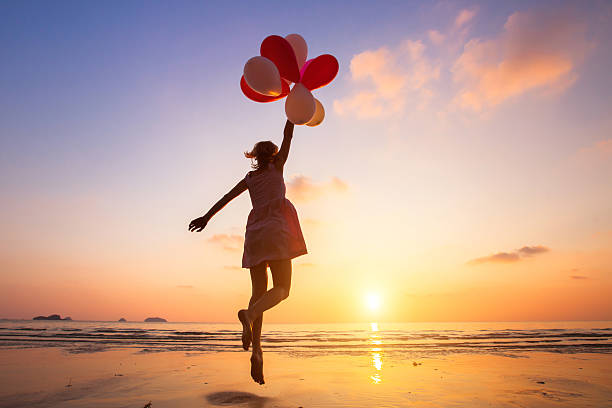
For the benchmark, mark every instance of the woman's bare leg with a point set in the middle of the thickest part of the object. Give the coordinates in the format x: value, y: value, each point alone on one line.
x: 252, y: 328
x: 281, y: 276
x: 252, y: 318
x: 259, y: 284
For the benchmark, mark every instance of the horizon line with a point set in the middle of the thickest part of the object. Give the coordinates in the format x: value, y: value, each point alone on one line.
x: 352, y: 322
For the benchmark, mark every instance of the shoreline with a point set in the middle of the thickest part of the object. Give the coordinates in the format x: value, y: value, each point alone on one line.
x: 48, y: 377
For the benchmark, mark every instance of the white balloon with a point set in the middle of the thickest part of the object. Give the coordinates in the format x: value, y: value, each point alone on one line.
x: 262, y: 76
x: 318, y: 116
x: 300, y: 105
x: 299, y: 47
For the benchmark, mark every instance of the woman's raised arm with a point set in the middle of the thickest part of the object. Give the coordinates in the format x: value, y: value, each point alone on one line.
x: 198, y: 224
x: 283, y: 153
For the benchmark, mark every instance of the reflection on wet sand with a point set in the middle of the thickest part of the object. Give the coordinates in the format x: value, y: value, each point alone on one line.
x: 376, y: 353
x: 37, y: 378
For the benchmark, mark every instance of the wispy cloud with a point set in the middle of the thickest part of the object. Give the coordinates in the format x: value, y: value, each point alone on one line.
x: 311, y: 222
x: 579, y: 277
x: 464, y: 17
x: 436, y: 37
x: 305, y: 265
x: 532, y: 250
x: 184, y: 286
x: 229, y: 242
x: 600, y: 150
x: 385, y: 76
x: 534, y: 51
x: 301, y: 188
x: 510, y: 257
x: 500, y: 257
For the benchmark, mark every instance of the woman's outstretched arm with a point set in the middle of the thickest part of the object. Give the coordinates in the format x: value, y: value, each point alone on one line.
x: 284, y: 150
x: 198, y: 224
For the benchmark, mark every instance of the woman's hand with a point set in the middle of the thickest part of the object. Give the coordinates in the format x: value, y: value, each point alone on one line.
x: 198, y: 224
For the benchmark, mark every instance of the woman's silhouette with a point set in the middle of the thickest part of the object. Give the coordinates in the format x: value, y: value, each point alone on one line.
x: 273, y: 237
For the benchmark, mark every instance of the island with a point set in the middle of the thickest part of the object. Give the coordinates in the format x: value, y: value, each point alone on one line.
x: 155, y: 319
x: 122, y: 320
x: 51, y: 317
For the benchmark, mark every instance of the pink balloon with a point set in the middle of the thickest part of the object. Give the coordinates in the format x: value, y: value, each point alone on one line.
x: 319, y: 71
x: 277, y: 49
x: 257, y: 97
x: 306, y: 64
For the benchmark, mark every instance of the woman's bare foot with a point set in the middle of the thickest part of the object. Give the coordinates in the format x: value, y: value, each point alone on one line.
x: 257, y: 366
x: 247, y: 333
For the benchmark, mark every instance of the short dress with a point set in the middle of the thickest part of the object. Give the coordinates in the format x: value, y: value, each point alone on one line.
x: 273, y: 230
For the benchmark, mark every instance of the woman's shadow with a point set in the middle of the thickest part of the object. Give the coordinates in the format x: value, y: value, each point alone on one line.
x: 230, y: 398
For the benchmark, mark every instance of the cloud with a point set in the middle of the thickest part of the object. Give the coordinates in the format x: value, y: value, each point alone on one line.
x: 534, y: 51
x: 184, y: 286
x: 229, y: 242
x: 510, y: 257
x: 232, y: 267
x: 386, y: 77
x: 305, y: 265
x: 311, y: 222
x: 500, y: 257
x: 579, y: 277
x: 464, y: 17
x: 436, y: 37
x: 600, y: 150
x: 302, y: 188
x: 532, y: 250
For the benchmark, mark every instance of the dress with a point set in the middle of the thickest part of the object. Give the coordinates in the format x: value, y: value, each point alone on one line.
x: 273, y: 230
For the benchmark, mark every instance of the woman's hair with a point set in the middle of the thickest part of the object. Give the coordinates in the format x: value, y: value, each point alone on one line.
x: 263, y: 153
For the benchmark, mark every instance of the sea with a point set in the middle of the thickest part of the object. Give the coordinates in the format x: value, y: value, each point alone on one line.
x: 414, y: 339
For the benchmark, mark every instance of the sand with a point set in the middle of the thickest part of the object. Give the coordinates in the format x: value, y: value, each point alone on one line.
x: 52, y: 377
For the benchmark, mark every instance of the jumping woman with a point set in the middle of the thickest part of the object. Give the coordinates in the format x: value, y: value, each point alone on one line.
x: 273, y: 237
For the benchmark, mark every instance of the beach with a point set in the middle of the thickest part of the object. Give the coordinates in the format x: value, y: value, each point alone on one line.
x: 105, y: 374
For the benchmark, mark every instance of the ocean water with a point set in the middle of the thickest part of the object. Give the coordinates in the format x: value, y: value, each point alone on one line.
x: 415, y: 339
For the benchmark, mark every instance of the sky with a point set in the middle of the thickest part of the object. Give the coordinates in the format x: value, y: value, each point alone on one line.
x: 462, y: 173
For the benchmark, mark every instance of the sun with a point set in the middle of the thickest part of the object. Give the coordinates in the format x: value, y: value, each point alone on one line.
x: 373, y: 301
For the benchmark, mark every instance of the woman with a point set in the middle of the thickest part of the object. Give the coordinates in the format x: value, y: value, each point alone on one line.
x: 273, y: 237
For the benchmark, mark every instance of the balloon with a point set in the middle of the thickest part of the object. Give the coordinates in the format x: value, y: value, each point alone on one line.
x: 299, y: 48
x: 318, y: 116
x: 320, y: 71
x: 300, y: 105
x: 281, y: 53
x: 305, y: 67
x: 262, y: 76
x: 257, y: 97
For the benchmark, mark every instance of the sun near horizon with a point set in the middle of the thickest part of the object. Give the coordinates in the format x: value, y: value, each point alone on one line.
x: 373, y: 301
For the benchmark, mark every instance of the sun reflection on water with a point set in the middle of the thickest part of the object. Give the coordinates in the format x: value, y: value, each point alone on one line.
x: 376, y: 353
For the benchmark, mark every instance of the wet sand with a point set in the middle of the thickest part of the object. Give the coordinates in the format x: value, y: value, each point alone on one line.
x: 52, y: 377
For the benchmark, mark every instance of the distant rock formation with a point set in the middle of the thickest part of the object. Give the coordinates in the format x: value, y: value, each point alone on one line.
x: 51, y: 317
x: 155, y: 319
x: 122, y: 319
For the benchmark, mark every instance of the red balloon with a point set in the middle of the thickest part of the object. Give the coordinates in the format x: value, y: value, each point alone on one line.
x: 257, y: 97
x: 277, y: 49
x: 320, y: 71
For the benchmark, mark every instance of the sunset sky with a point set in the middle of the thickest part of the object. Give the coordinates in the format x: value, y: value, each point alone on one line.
x: 463, y: 171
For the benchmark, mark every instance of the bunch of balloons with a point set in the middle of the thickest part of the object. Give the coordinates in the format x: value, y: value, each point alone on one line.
x: 268, y: 77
